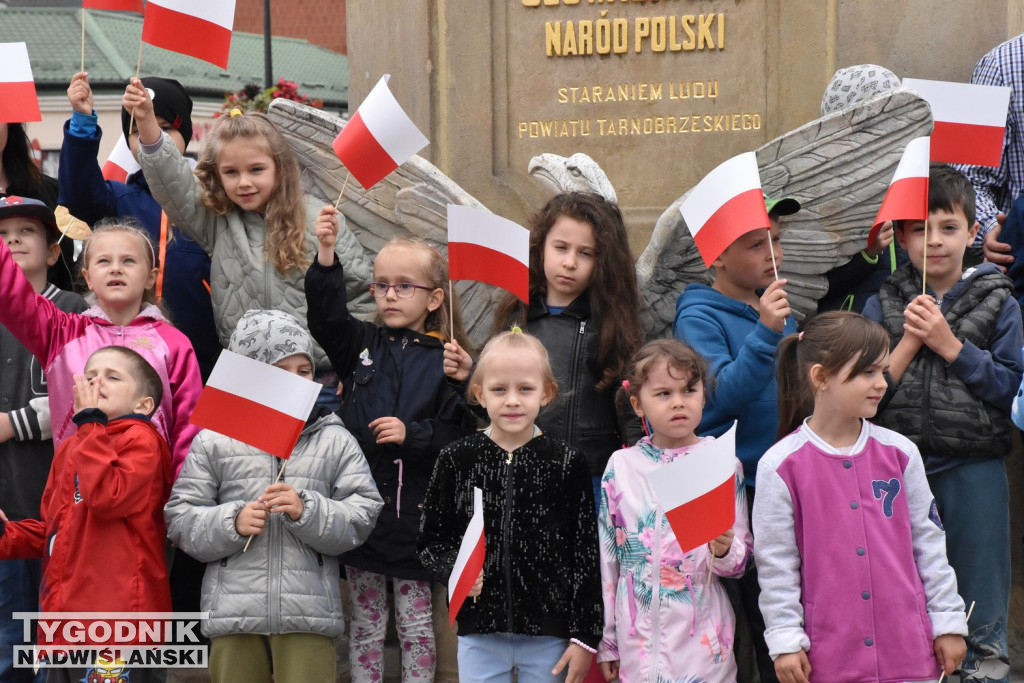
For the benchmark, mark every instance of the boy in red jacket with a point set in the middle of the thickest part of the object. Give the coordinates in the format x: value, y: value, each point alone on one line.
x: 102, y: 530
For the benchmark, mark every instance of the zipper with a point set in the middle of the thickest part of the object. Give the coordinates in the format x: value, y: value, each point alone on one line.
x: 656, y: 585
x: 506, y: 524
x: 574, y: 374
x: 275, y: 560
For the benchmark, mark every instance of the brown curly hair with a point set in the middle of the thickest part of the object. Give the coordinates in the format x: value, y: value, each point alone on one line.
x: 286, y: 244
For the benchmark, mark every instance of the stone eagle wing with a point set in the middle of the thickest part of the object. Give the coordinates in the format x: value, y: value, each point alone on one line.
x: 838, y: 167
x: 411, y: 201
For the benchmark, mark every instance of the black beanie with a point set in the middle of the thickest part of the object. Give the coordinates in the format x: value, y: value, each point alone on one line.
x: 169, y: 101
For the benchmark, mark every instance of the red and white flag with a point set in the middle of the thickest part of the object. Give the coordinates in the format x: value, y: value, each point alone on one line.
x: 727, y: 203
x: 907, y: 197
x: 120, y: 164
x: 970, y: 120
x: 255, y: 403
x: 698, y: 491
x: 470, y: 561
x: 379, y: 138
x: 18, y: 101
x: 114, y: 5
x: 488, y: 248
x: 200, y: 28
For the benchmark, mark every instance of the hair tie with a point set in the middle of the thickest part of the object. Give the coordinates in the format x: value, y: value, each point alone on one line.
x: 625, y: 384
x: 236, y: 112
x: 516, y: 329
x: 800, y: 337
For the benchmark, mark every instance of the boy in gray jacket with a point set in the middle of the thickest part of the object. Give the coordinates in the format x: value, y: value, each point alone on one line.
x: 277, y: 606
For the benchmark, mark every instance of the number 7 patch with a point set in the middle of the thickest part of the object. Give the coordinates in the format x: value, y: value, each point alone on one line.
x: 886, y: 491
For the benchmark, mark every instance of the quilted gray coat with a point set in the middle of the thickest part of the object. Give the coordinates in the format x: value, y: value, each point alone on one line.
x: 288, y: 580
x: 240, y: 277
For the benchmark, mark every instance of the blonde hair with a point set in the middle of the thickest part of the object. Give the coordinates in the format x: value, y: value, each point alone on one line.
x: 435, y: 272
x: 127, y: 226
x: 514, y: 341
x: 285, y: 245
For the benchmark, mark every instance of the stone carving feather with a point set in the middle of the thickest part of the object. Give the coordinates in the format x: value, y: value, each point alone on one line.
x: 411, y: 201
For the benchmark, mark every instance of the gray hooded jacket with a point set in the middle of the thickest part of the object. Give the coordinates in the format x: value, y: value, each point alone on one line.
x: 288, y: 580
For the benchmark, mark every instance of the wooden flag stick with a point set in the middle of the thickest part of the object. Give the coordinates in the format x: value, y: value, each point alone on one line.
x: 924, y: 274
x: 342, y: 193
x: 451, y: 312
x: 83, y: 39
x: 279, y: 474
x: 968, y: 628
x: 771, y: 247
x: 711, y: 569
x: 138, y: 70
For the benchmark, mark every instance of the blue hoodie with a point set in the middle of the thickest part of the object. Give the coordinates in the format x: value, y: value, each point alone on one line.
x: 740, y: 352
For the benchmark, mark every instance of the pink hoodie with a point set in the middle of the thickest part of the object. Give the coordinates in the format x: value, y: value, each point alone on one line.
x: 63, y: 343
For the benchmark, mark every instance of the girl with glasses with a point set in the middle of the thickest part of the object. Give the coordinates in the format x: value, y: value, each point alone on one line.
x: 403, y: 410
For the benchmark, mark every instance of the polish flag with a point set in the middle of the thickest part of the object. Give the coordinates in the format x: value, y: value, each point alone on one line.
x: 698, y: 491
x: 200, y: 28
x: 255, y: 403
x: 727, y: 203
x: 120, y: 164
x: 970, y: 120
x: 18, y: 101
x: 907, y: 197
x: 470, y: 560
x: 488, y: 248
x: 114, y: 5
x: 379, y: 138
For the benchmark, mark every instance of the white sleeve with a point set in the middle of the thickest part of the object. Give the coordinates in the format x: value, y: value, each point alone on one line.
x: 778, y: 564
x: 944, y: 604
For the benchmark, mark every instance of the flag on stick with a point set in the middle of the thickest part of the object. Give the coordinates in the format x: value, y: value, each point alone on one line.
x: 698, y: 491
x: 199, y: 28
x: 727, y: 203
x: 907, y: 196
x: 970, y: 120
x: 470, y: 561
x: 488, y: 248
x: 18, y: 101
x: 255, y: 403
x: 114, y: 5
x: 121, y: 163
x: 379, y: 138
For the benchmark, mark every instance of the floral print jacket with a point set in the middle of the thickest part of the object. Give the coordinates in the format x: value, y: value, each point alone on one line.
x: 666, y: 616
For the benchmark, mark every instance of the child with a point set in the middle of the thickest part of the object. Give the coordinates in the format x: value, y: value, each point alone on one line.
x: 324, y: 505
x: 101, y: 532
x: 539, y: 604
x: 403, y: 410
x: 26, y: 450
x: 664, y: 621
x: 735, y: 325
x: 185, y: 269
x: 117, y: 264
x: 584, y: 308
x: 245, y: 207
x: 956, y: 367
x: 855, y: 585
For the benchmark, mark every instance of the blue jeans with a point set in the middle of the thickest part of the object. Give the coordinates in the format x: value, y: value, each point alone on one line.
x: 19, y: 592
x: 974, y: 504
x: 491, y: 657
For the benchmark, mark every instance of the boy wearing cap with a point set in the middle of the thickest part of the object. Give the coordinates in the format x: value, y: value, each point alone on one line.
x: 185, y: 270
x: 735, y: 324
x: 26, y: 449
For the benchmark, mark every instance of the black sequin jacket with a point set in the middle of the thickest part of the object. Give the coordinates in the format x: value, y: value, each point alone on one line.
x: 541, y: 572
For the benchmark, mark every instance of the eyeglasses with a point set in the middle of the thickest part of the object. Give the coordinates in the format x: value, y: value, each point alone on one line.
x: 403, y: 290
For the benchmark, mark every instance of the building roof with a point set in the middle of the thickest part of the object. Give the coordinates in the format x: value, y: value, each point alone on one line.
x: 54, y: 38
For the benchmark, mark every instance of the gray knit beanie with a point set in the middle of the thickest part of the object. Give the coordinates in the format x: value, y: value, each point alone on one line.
x: 269, y: 336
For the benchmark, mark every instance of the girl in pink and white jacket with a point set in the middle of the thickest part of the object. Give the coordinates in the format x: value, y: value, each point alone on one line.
x: 666, y: 616
x: 850, y: 550
x: 118, y: 267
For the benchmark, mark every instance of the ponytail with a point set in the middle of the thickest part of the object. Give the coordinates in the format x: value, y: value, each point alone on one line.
x: 795, y: 398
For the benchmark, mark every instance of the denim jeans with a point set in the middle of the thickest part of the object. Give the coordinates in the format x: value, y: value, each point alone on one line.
x: 491, y: 657
x: 19, y: 592
x: 974, y: 504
